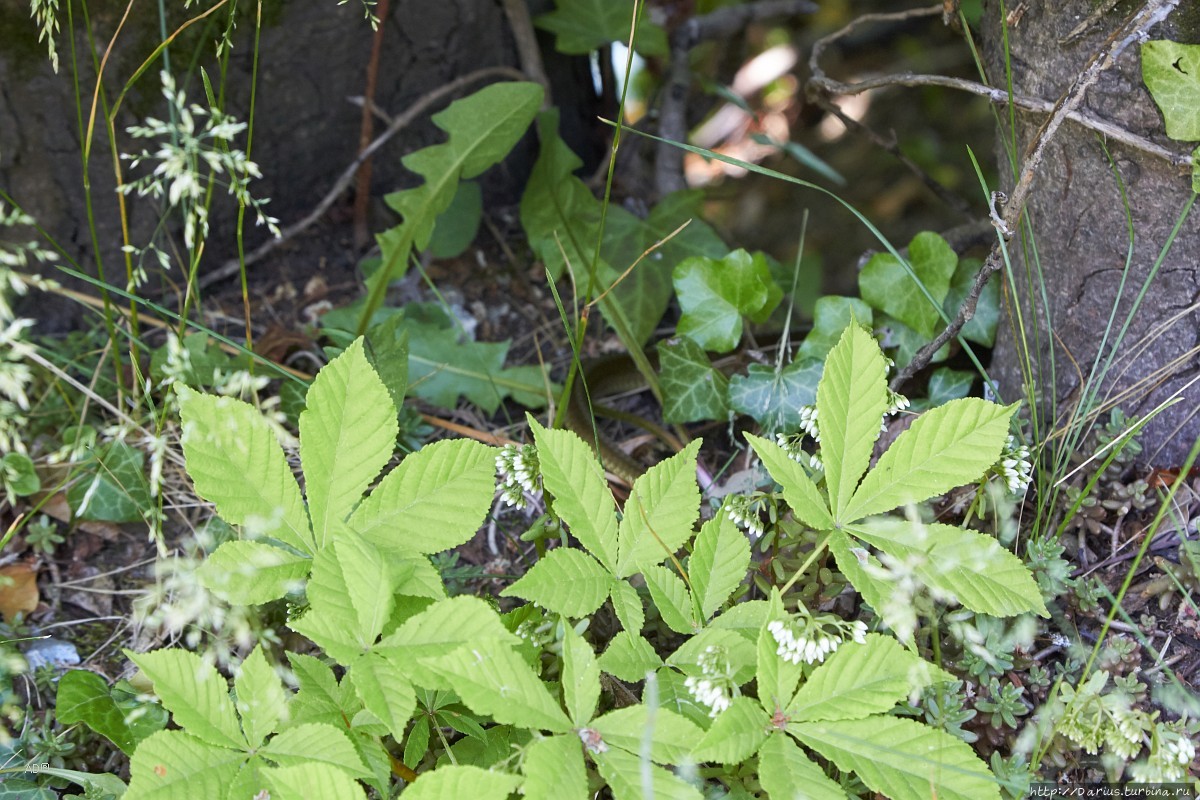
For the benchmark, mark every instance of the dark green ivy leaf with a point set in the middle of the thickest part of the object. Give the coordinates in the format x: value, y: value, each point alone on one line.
x: 693, y: 389
x: 774, y: 397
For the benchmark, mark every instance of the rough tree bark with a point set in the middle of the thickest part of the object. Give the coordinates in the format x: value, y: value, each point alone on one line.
x: 1082, y: 235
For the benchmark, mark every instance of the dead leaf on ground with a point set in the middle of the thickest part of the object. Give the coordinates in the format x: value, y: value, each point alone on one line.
x: 18, y: 590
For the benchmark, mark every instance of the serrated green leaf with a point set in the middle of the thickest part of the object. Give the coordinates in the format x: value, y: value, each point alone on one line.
x: 417, y: 743
x: 581, y: 677
x: 862, y: 679
x: 261, y: 700
x: 85, y: 697
x: 947, y: 447
x: 458, y: 782
x: 353, y: 582
x: 674, y: 694
x: 587, y: 25
x: 777, y: 678
x: 831, y: 316
x: 331, y: 629
x: 783, y: 768
x: 629, y: 657
x: 693, y: 389
x: 347, y: 434
x: 581, y: 497
x: 195, y: 694
x: 671, y: 736
x: 627, y: 605
x: 900, y: 758
x: 671, y: 597
x: 742, y: 653
x: 319, y: 698
x: 303, y: 781
x: 435, y: 500
x: 735, y: 735
x: 1171, y: 71
x: 439, y: 630
x: 714, y: 296
x: 969, y: 566
x: 720, y: 558
x: 493, y: 680
x: 565, y: 581
x: 773, y: 397
x: 627, y: 776
x: 851, y: 399
x: 102, y: 783
x: 799, y: 491
x: 659, y: 514
x: 383, y: 687
x: 223, y: 437
x: 173, y: 765
x: 889, y: 287
x: 554, y: 770
x: 316, y: 743
x: 857, y: 564
x: 250, y: 573
x: 746, y: 618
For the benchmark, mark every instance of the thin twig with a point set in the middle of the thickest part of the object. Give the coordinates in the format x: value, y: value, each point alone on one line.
x: 528, y: 52
x: 362, y: 192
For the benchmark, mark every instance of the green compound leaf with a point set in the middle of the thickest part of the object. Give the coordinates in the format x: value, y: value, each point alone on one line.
x: 347, y: 434
x: 627, y: 776
x: 693, y: 389
x: 438, y: 631
x: 111, y: 488
x: 714, y: 295
x: 565, y: 581
x: 352, y: 584
x: 494, y: 680
x: 773, y: 397
x: 250, y: 573
x: 554, y: 770
x: 585, y: 25
x: 581, y: 496
x: 627, y: 605
x: 195, y: 694
x: 435, y: 500
x: 947, y: 447
x: 173, y: 765
x: 320, y: 698
x: 223, y: 437
x: 659, y: 514
x: 671, y: 597
x: 900, y: 758
x: 581, y: 677
x: 1171, y: 71
x: 736, y: 734
x: 261, y: 700
x: 312, y: 780
x: 798, y: 489
x: 382, y: 685
x: 319, y: 743
x: 629, y: 657
x: 862, y: 679
x: 831, y: 316
x: 459, y: 782
x: 782, y: 766
x: 851, y: 400
x: 720, y: 558
x: 969, y: 566
x: 332, y: 629
x: 670, y: 735
x: 889, y: 287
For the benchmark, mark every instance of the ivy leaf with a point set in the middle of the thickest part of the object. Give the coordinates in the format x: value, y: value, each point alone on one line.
x: 671, y: 597
x: 947, y: 447
x: 312, y: 780
x: 251, y: 573
x: 720, y: 558
x: 736, y: 734
x: 1171, y: 71
x: 111, y: 488
x: 981, y: 327
x: 714, y: 295
x: 638, y: 301
x: 586, y: 25
x: 627, y: 776
x: 84, y: 696
x: 782, y: 766
x: 671, y: 736
x: 347, y: 434
x: 195, y: 694
x: 659, y: 513
x: 831, y: 316
x: 629, y: 657
x: 900, y: 758
x: 627, y: 605
x: 173, y: 765
x: 581, y: 677
x: 316, y: 743
x: 944, y: 385
x: 261, y: 701
x: 888, y: 286
x: 693, y: 389
x: 565, y: 581
x: 773, y: 397
x: 554, y: 770
x: 799, y: 491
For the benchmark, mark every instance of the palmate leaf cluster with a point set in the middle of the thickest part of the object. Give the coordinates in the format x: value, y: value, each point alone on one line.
x: 393, y: 653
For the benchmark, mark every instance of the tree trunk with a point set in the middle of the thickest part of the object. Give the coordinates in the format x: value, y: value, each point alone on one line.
x: 1081, y: 233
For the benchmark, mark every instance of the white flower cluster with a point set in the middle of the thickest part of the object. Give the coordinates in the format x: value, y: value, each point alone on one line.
x: 793, y: 445
x: 715, y: 687
x: 1171, y: 756
x: 519, y: 473
x: 896, y: 403
x: 743, y: 512
x: 1014, y: 466
x: 809, y: 639
x: 808, y: 422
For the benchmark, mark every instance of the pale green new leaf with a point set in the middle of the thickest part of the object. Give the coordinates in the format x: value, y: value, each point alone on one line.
x: 1171, y: 71
x: 435, y: 500
x: 261, y: 700
x: 851, y: 399
x: 565, y: 581
x: 462, y: 782
x: 331, y: 629
x: 969, y: 566
x: 628, y: 607
x: 856, y: 562
x: 736, y: 734
x: 671, y: 597
x: 351, y: 581
x: 439, y: 630
x: 900, y: 758
x: 672, y: 736
x: 787, y: 773
x: 947, y: 447
x: 382, y: 685
x: 777, y: 678
x: 720, y: 558
x: 660, y: 512
x: 250, y: 573
x: 316, y: 743
x: 195, y: 694
x: 237, y: 465
x: 625, y: 774
x: 347, y: 434
x: 580, y: 677
x: 798, y: 489
x: 629, y: 657
x: 863, y: 679
x: 304, y: 781
x: 494, y: 680
x: 319, y: 698
x: 746, y: 617
x: 554, y: 770
x: 572, y: 476
x: 172, y: 765
x: 741, y: 652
